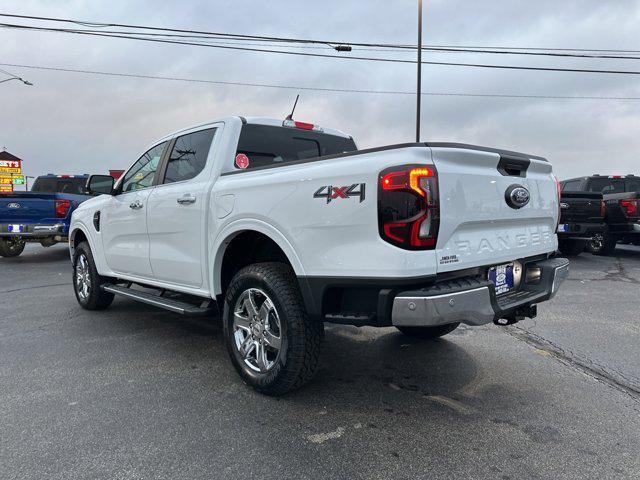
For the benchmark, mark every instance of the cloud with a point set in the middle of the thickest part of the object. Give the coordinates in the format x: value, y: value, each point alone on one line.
x: 73, y: 123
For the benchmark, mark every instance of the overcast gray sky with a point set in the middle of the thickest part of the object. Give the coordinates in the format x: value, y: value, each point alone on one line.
x: 75, y: 123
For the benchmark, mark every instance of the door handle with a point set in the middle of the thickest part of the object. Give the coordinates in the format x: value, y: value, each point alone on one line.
x: 186, y: 199
x: 137, y: 205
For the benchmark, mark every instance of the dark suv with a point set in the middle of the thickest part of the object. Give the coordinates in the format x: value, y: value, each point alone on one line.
x: 620, y: 203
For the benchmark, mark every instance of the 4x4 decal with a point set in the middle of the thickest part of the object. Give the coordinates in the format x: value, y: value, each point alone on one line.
x: 332, y: 193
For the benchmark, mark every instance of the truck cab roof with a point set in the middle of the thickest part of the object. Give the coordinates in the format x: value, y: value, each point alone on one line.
x: 255, y: 120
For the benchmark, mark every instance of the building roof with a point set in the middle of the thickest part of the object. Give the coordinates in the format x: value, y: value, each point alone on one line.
x: 4, y: 155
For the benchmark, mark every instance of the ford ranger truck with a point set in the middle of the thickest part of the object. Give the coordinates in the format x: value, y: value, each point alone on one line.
x: 41, y: 215
x: 282, y: 226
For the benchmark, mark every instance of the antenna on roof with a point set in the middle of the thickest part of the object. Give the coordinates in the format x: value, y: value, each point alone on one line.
x: 290, y: 116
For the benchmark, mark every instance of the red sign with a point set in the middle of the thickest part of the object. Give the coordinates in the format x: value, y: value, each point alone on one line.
x: 10, y: 163
x: 242, y: 161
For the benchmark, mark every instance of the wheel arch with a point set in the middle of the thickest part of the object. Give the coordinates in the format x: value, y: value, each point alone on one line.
x: 77, y: 235
x: 257, y: 241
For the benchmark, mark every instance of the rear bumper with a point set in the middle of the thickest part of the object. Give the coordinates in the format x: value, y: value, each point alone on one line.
x: 474, y: 302
x: 36, y: 231
x: 581, y: 231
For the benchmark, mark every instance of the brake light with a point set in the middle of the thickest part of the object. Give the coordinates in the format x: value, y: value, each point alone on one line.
x: 62, y: 208
x: 408, y: 208
x: 603, y: 208
x: 630, y: 207
x: 301, y: 125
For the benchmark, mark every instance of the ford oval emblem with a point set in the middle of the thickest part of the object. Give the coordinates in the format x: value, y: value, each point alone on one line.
x: 517, y: 196
x: 13, y: 205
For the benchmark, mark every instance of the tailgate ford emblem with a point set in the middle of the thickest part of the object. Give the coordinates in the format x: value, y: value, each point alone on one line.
x: 13, y: 205
x: 517, y: 196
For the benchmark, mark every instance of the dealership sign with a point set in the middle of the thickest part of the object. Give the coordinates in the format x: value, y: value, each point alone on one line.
x: 7, y: 179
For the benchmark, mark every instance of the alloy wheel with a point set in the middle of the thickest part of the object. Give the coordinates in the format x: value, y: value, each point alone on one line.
x: 257, y: 331
x: 83, y: 278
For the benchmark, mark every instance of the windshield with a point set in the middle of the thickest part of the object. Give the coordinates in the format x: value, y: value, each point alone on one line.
x: 59, y: 185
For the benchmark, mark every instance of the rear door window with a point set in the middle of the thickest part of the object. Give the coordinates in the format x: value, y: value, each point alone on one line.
x: 189, y: 156
x: 267, y: 145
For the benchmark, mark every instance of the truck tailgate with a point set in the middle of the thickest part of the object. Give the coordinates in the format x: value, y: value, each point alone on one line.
x: 477, y: 224
x: 581, y: 207
x: 26, y: 207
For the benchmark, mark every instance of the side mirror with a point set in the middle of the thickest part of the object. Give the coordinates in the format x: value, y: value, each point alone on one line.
x: 100, y: 185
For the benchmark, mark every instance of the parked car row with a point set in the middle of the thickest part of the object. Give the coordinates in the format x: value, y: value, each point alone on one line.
x: 598, y: 212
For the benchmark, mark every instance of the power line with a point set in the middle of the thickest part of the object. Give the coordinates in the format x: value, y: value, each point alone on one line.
x: 318, y: 89
x: 201, y: 33
x: 306, y: 54
x: 443, y: 49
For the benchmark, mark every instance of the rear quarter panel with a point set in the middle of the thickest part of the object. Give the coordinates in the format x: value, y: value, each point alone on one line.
x: 338, y: 238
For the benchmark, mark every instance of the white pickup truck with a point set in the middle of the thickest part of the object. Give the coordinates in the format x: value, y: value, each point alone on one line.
x: 282, y: 226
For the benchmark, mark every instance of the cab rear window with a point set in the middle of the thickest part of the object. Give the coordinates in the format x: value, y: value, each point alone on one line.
x: 266, y: 145
x: 59, y: 185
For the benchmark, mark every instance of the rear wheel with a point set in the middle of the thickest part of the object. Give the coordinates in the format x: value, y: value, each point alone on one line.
x: 602, y: 244
x: 87, y: 283
x: 272, y: 342
x: 429, y: 333
x: 11, y: 247
x: 571, y: 247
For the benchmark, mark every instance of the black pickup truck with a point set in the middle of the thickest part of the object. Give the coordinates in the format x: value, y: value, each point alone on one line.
x: 582, y: 218
x: 620, y: 209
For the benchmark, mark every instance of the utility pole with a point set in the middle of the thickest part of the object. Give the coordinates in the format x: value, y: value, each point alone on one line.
x: 419, y: 89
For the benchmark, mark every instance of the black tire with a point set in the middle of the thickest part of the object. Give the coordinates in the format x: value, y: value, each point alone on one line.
x: 602, y: 244
x: 95, y: 298
x: 300, y: 338
x: 11, y: 247
x: 428, y: 333
x: 571, y: 247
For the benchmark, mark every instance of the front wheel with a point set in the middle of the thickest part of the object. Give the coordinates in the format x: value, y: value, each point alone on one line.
x: 272, y: 342
x: 87, y: 283
x: 11, y: 247
x: 429, y: 333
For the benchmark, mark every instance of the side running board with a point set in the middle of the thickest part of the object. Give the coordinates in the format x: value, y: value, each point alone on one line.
x: 176, y: 306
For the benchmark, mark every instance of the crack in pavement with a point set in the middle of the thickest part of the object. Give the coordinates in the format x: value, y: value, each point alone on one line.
x: 35, y: 287
x: 585, y: 366
x: 619, y: 275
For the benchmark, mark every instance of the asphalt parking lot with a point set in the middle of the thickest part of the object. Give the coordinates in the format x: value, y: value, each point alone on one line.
x: 135, y: 392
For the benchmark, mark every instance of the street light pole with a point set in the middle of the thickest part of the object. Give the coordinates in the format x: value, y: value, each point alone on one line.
x: 419, y: 88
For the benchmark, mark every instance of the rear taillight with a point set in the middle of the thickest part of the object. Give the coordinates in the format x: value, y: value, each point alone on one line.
x: 408, y: 209
x: 62, y: 208
x: 629, y: 207
x: 603, y: 208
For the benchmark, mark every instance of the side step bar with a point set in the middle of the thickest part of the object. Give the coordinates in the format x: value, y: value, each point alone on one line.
x: 170, y: 304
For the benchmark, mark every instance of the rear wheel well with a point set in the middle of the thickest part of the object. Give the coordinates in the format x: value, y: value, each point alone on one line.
x: 245, y: 249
